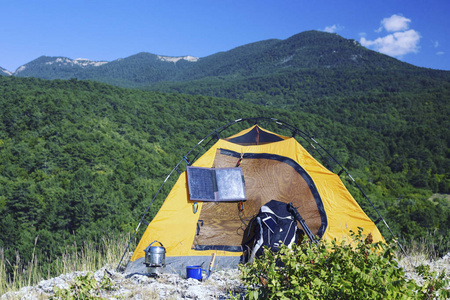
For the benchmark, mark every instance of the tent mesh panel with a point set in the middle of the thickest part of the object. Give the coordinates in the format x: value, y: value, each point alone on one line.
x: 265, y: 179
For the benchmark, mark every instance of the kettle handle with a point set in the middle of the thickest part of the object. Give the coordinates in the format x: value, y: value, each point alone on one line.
x: 155, y: 241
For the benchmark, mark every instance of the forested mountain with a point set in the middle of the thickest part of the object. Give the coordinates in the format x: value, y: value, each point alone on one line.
x: 4, y: 72
x: 82, y: 159
x: 307, y: 71
x: 306, y: 50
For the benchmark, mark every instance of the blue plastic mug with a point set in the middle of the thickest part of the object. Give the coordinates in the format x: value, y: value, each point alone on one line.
x: 194, y: 272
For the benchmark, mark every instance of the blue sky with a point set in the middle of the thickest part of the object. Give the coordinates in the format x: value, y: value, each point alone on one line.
x: 414, y: 31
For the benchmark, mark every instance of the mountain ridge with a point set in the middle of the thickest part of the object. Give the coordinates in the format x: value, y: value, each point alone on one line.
x: 305, y: 50
x: 80, y: 158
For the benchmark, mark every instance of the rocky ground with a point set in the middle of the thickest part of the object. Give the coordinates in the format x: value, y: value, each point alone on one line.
x: 409, y: 263
x: 220, y: 285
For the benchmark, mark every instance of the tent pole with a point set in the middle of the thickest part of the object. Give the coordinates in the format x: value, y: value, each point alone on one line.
x: 142, y: 219
x: 364, y: 194
x: 217, y: 131
x: 295, y: 130
x: 305, y: 135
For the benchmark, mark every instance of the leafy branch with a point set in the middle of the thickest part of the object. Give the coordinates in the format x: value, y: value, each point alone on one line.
x: 338, y: 270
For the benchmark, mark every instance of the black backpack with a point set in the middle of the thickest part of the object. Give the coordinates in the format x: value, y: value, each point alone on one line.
x: 275, y: 225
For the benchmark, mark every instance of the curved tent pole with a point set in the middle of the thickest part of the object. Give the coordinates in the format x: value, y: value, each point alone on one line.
x: 364, y: 194
x: 306, y: 136
x: 217, y: 131
x: 142, y: 219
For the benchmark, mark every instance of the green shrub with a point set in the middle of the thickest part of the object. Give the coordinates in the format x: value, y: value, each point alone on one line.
x: 84, y: 287
x: 333, y: 270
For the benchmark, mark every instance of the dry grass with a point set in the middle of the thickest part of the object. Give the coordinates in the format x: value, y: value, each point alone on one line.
x: 90, y: 256
x: 424, y: 249
x: 422, y: 253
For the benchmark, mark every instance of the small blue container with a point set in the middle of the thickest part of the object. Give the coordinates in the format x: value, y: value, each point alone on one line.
x: 194, y: 272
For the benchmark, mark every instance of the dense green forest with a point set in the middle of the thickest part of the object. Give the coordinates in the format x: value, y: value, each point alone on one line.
x: 408, y: 109
x: 80, y: 159
x: 314, y: 72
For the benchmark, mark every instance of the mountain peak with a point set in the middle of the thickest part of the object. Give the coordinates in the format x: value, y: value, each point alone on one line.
x: 305, y: 50
x: 59, y: 61
x: 82, y: 62
x: 4, y: 72
x: 175, y: 59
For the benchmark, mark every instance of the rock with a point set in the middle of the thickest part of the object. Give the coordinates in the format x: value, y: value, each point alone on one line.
x: 47, y: 286
x: 220, y: 285
x: 409, y: 263
x: 172, y: 286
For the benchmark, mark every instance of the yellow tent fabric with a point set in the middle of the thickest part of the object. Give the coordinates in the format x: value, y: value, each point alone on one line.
x: 175, y: 224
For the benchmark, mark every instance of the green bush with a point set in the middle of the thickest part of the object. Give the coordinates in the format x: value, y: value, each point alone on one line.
x: 84, y: 287
x: 333, y: 270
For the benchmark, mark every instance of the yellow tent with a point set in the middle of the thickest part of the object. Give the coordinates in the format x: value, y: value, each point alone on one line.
x: 274, y: 167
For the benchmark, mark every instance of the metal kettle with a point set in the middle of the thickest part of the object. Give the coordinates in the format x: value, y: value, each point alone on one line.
x: 155, y: 259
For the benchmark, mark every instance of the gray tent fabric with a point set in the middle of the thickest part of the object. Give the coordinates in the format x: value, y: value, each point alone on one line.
x: 178, y: 264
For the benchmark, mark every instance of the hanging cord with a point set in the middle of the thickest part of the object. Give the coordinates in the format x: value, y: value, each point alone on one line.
x: 241, y: 206
x: 244, y: 221
x: 240, y: 160
x: 241, y: 203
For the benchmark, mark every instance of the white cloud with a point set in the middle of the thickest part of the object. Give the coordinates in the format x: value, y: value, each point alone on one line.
x: 333, y: 28
x: 436, y: 44
x: 440, y: 53
x: 400, y: 41
x: 395, y: 44
x: 330, y: 29
x: 395, y: 23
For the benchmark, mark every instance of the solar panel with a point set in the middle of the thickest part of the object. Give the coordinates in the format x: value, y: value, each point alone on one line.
x: 216, y: 184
